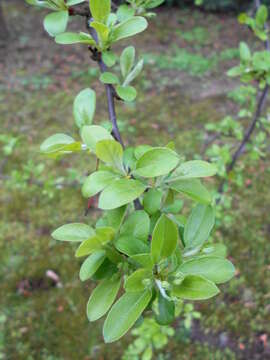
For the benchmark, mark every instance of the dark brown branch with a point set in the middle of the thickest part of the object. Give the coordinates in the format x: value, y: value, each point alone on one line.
x: 79, y: 10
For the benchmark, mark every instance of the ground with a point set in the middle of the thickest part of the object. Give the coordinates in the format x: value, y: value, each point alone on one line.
x: 183, y: 87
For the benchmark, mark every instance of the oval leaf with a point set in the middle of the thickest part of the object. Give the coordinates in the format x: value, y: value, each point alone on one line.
x: 212, y: 268
x: 127, y: 60
x: 102, y: 298
x: 91, y: 264
x: 96, y: 182
x: 164, y: 240
x: 119, y: 193
x: 73, y: 232
x: 194, y: 169
x: 124, y: 313
x: 128, y: 28
x: 91, y: 135
x: 56, y: 22
x: 156, y: 162
x: 195, y: 287
x: 193, y: 189
x: 84, y: 107
x: 199, y: 225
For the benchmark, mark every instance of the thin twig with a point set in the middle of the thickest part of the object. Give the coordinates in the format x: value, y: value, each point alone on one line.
x: 260, y: 106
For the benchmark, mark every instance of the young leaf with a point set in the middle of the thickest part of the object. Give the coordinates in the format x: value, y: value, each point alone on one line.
x: 73, y: 232
x: 95, y: 242
x: 119, y: 193
x: 219, y: 250
x: 244, y: 51
x: 156, y: 162
x: 152, y: 200
x: 127, y: 60
x: 141, y: 150
x: 199, y: 226
x: 193, y: 189
x: 194, y: 169
x: 126, y: 93
x: 74, y: 2
x: 56, y: 143
x: 166, y: 311
x: 261, y: 16
x: 56, y: 22
x: 134, y: 282
x: 109, y: 58
x: 109, y: 78
x: 124, y: 12
x: 164, y: 240
x: 69, y: 38
x: 111, y: 152
x: 91, y: 264
x: 97, y: 182
x: 124, y: 313
x: 91, y: 135
x: 195, y: 287
x: 212, y: 268
x: 102, y: 298
x: 100, y: 10
x: 84, y: 107
x: 134, y: 73
x: 129, y: 27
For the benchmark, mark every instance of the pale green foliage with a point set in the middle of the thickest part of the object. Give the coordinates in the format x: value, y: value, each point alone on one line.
x: 141, y: 241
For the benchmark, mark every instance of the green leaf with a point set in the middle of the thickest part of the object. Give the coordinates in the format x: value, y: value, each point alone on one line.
x: 84, y: 107
x: 124, y: 313
x: 134, y: 282
x: 109, y: 78
x: 244, y: 51
x: 166, y: 311
x: 73, y: 232
x: 136, y: 225
x: 156, y: 162
x: 125, y: 12
x: 95, y: 242
x: 261, y: 16
x: 164, y: 240
x: 111, y: 152
x: 129, y: 27
x: 91, y: 264
x: 152, y: 200
x: 113, y: 218
x: 102, y: 298
x: 127, y: 60
x: 109, y: 58
x: 97, y: 182
x: 56, y: 22
x: 102, y: 32
x: 126, y: 93
x: 213, y: 268
x: 219, y: 250
x: 131, y: 246
x: 134, y: 73
x: 93, y: 134
x: 100, y: 10
x: 74, y: 2
x: 56, y: 143
x: 42, y: 4
x: 143, y: 260
x: 193, y: 189
x: 69, y: 38
x: 194, y: 169
x: 141, y: 150
x: 195, y: 287
x: 119, y: 193
x: 199, y: 225
x: 154, y: 3
x: 105, y: 271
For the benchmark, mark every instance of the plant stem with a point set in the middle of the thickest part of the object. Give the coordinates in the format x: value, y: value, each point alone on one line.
x: 260, y: 105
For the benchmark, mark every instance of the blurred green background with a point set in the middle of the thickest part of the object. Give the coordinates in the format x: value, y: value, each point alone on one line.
x: 184, y: 86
